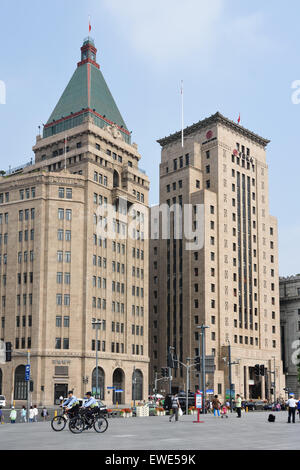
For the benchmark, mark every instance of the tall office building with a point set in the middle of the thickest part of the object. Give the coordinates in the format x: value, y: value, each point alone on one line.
x: 228, y: 278
x: 68, y: 255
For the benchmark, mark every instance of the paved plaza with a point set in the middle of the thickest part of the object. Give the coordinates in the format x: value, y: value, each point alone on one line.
x: 252, y: 431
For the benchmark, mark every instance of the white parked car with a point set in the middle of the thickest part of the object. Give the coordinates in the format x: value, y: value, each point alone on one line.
x: 2, y: 400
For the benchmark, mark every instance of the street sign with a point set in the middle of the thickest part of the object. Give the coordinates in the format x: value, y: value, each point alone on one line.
x: 209, y: 392
x: 27, y: 372
x: 119, y: 391
x: 198, y: 401
x: 227, y: 394
x: 209, y: 364
x: 111, y: 388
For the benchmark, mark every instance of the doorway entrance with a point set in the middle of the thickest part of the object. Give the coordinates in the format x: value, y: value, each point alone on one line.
x: 60, y: 390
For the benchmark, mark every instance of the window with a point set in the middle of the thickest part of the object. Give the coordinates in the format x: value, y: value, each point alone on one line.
x: 69, y: 193
x: 68, y: 235
x: 68, y: 214
x: 61, y: 193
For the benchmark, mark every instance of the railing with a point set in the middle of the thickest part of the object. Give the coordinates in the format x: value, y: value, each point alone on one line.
x: 11, y: 171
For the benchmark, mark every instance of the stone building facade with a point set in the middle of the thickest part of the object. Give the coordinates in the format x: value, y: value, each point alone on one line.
x: 290, y: 329
x: 228, y: 280
x: 72, y: 249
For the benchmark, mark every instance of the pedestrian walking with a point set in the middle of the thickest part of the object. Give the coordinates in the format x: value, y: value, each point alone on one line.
x: 44, y: 413
x: 216, y: 405
x: 24, y: 415
x: 298, y: 407
x: 238, y: 405
x: 291, y: 403
x: 13, y: 415
x: 31, y: 414
x: 175, y: 408
x: 1, y: 416
x: 36, y: 413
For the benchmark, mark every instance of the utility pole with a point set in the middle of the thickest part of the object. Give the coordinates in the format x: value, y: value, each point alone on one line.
x: 274, y: 379
x: 230, y: 373
x: 230, y: 376
x: 96, y: 324
x: 188, y: 359
x: 28, y: 385
x: 170, y: 369
x: 134, y: 385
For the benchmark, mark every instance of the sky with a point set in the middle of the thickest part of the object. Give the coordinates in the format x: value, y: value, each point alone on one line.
x: 233, y: 56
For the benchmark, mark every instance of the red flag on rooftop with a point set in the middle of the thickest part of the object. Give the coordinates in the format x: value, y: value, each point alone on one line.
x: 239, y: 119
x: 90, y: 27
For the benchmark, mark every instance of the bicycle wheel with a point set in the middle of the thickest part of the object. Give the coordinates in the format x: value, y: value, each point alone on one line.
x: 76, y: 425
x: 58, y: 423
x: 100, y: 424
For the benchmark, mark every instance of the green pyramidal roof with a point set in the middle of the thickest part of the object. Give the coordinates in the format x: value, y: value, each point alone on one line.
x: 86, y: 93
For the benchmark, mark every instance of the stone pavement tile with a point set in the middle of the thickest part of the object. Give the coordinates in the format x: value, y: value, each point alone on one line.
x: 252, y: 431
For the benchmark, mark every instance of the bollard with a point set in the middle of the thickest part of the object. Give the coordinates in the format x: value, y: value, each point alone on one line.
x: 246, y: 409
x: 117, y: 405
x: 55, y: 413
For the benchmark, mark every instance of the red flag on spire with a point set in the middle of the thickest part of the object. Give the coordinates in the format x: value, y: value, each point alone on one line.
x: 90, y: 27
x: 239, y: 119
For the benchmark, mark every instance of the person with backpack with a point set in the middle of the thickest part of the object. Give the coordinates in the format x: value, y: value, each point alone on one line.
x: 175, y: 408
x: 216, y: 405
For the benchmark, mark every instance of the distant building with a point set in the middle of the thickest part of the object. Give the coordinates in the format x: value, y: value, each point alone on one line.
x: 59, y: 269
x: 230, y: 283
x: 290, y: 328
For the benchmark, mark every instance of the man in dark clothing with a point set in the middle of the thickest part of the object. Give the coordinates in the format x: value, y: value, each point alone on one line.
x: 175, y: 408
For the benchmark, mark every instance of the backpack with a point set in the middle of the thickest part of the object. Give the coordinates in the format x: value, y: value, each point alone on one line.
x: 271, y: 418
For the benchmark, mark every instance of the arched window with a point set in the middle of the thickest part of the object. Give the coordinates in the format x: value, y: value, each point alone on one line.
x: 101, y: 383
x: 137, y: 385
x: 20, y: 392
x: 119, y: 384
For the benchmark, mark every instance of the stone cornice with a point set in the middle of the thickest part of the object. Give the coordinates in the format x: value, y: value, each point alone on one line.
x: 217, y: 118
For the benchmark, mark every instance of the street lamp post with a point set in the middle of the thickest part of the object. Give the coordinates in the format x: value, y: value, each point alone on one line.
x: 203, y: 328
x: 134, y: 386
x: 230, y: 373
x: 96, y: 324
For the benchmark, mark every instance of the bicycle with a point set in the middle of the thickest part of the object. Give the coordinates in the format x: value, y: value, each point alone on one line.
x: 83, y: 422
x: 58, y: 423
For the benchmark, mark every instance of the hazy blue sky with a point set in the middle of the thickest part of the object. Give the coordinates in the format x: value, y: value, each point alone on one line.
x: 233, y: 55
